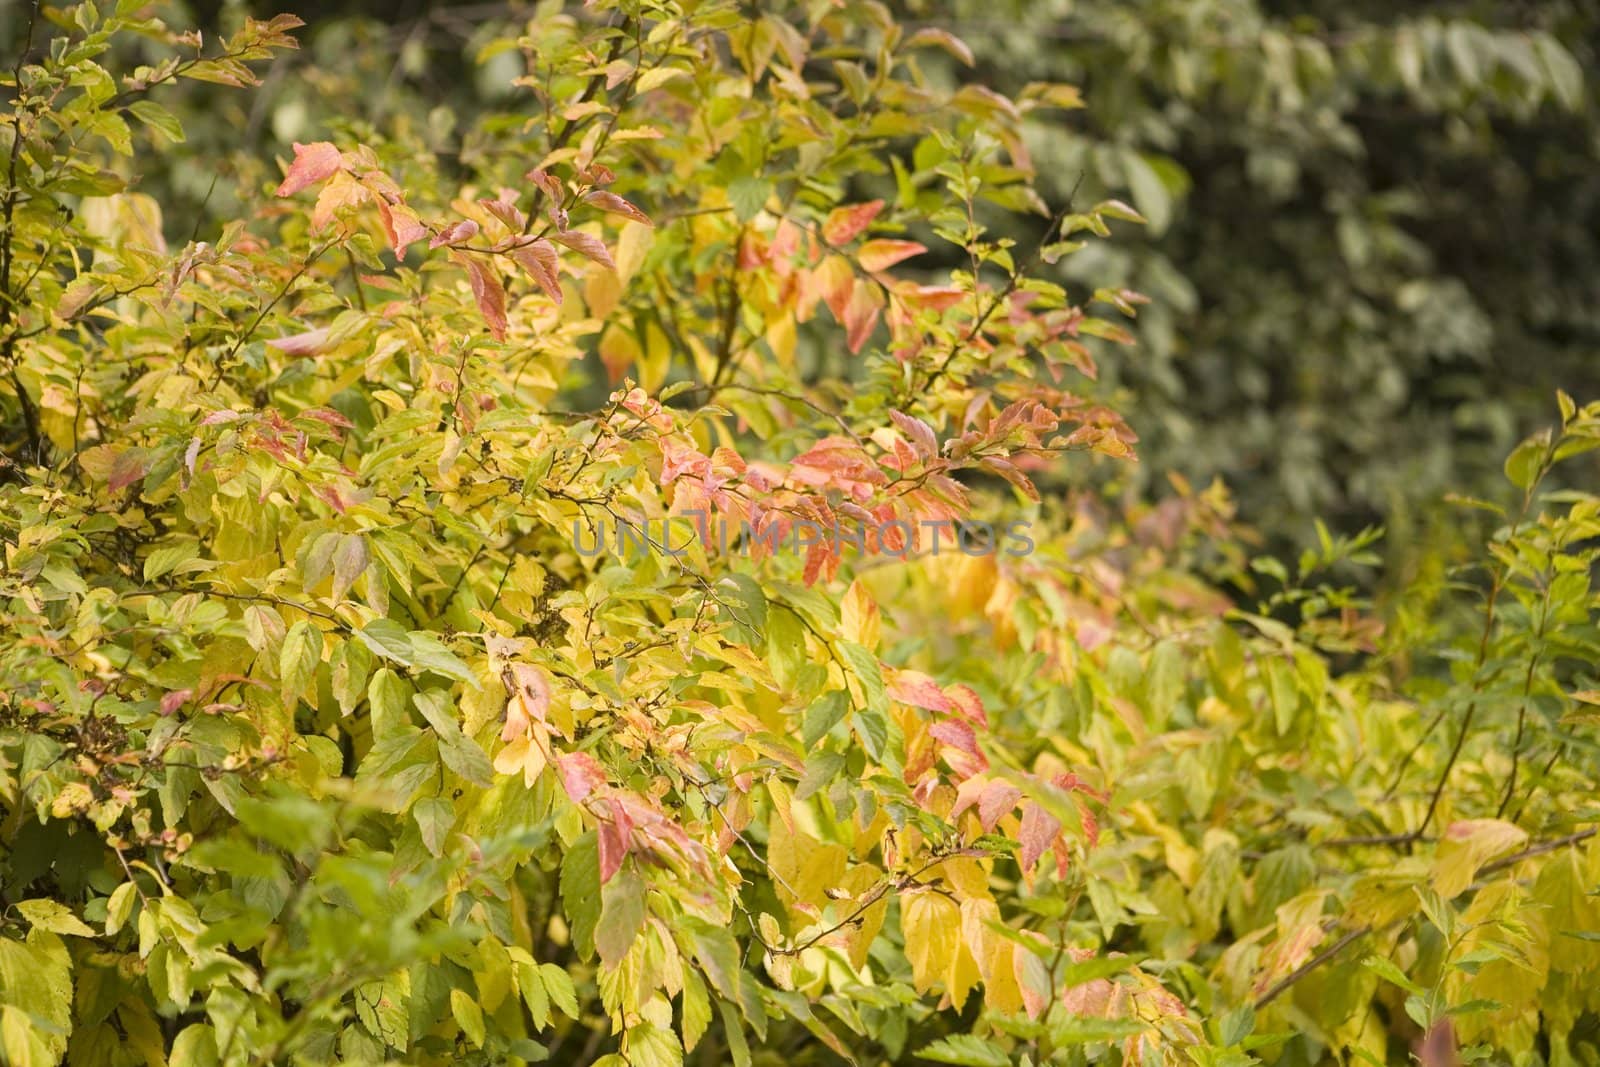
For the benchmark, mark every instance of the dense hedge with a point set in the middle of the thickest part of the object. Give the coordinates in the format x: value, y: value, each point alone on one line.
x: 574, y: 585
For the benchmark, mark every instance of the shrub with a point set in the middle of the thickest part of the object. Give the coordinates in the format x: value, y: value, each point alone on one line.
x: 491, y: 612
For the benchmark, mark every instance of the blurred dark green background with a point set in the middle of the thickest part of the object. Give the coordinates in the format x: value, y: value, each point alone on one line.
x: 1374, y: 241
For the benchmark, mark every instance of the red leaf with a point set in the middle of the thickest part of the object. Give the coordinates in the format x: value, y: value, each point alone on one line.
x: 614, y: 204
x: 960, y: 736
x: 613, y: 847
x: 313, y: 163
x: 580, y: 775
x: 845, y: 223
x: 530, y: 699
x: 1039, y: 830
x: 861, y: 315
x: 548, y: 183
x: 401, y: 225
x: 585, y: 245
x: 917, y: 689
x: 881, y: 255
x: 126, y: 468
x: 967, y: 704
x: 543, y: 264
x: 930, y: 297
x: 457, y: 233
x: 921, y: 433
x: 505, y: 209
x: 487, y: 289
x: 310, y: 343
x: 1009, y: 471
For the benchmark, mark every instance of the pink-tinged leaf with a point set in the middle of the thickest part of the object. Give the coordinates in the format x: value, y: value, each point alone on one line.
x: 1438, y: 1046
x: 930, y: 297
x: 580, y: 774
x: 401, y: 225
x: 968, y: 759
x: 171, y: 702
x: 995, y: 803
x: 861, y: 315
x: 921, y: 434
x: 529, y: 699
x: 881, y: 255
x: 1037, y: 833
x: 916, y: 689
x: 846, y: 223
x: 454, y: 234
x: 310, y: 343
x: 543, y: 264
x: 487, y: 290
x: 127, y: 468
x: 548, y: 184
x: 957, y: 734
x: 1011, y: 473
x: 587, y: 246
x: 328, y: 416
x: 942, y: 39
x: 967, y: 704
x: 1033, y: 980
x: 505, y: 209
x: 615, y: 205
x: 342, y: 192
x: 313, y: 163
x: 613, y: 849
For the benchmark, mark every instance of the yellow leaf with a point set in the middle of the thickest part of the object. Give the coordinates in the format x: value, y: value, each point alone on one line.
x: 858, y: 616
x: 633, y: 245
x: 1467, y: 846
x: 931, y: 924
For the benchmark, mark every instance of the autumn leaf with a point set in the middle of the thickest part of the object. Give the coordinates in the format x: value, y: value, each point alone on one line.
x: 487, y: 290
x: 615, y: 205
x: 313, y: 163
x: 844, y: 224
x: 586, y: 245
x: 542, y: 263
x: 882, y: 254
x: 456, y: 233
x: 401, y: 225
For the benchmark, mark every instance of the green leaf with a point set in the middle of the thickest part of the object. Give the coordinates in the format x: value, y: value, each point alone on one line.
x: 580, y: 891
x: 388, y: 639
x: 966, y: 1050
x: 468, y: 1015
x: 1388, y: 971
x: 1149, y: 192
x: 53, y: 916
x: 435, y: 816
x: 558, y: 984
x: 696, y: 1011
x: 158, y: 119
x: 622, y: 901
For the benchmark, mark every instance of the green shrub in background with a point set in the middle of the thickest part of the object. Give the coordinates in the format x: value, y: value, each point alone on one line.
x: 1372, y: 245
x: 329, y: 734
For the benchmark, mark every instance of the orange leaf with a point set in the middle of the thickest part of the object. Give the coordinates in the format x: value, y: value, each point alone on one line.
x: 614, y: 204
x: 313, y: 163
x: 543, y: 264
x: 587, y: 246
x: 456, y: 233
x: 486, y: 288
x: 845, y: 223
x: 881, y: 255
x: 861, y: 316
x: 401, y: 225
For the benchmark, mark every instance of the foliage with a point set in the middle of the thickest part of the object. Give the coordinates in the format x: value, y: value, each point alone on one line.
x: 1371, y: 248
x: 589, y: 600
